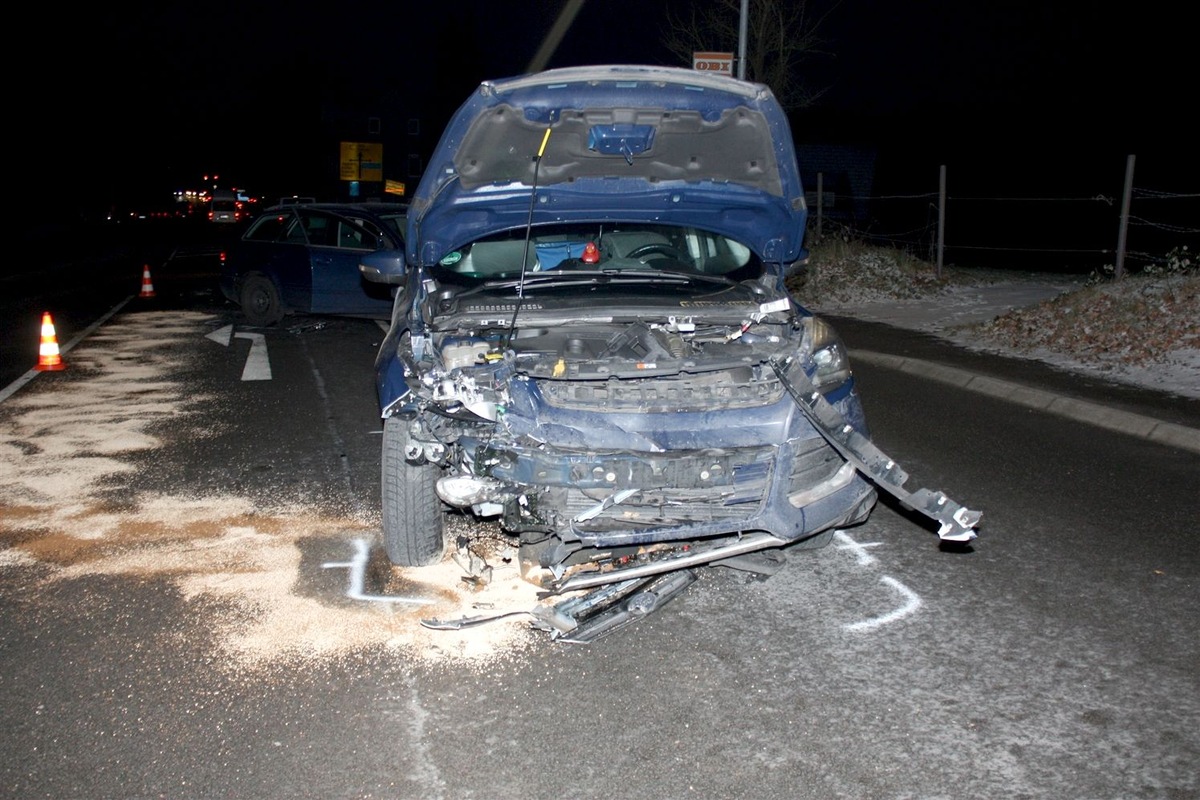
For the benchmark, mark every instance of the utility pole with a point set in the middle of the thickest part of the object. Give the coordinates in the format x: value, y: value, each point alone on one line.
x: 549, y: 44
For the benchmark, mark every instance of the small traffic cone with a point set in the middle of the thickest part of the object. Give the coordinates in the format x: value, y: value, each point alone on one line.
x: 48, y: 356
x: 147, y: 286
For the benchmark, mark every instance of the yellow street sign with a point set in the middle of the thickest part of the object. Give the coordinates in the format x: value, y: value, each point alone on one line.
x: 361, y: 161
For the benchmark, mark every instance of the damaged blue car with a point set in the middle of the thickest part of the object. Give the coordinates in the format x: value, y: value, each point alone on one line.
x: 592, y: 343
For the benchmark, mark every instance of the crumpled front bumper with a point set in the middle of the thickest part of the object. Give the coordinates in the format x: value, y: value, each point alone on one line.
x: 699, y: 475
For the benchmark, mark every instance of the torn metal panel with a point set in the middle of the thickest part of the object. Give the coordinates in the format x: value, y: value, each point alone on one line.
x: 586, y: 618
x: 684, y: 558
x: 645, y: 598
x: 956, y: 522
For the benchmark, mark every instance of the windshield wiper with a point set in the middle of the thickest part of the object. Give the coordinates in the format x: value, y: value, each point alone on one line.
x: 673, y: 275
x: 572, y: 277
x: 592, y: 277
x: 575, y: 278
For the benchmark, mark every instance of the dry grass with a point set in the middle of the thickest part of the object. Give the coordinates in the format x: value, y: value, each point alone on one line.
x: 841, y: 272
x: 1139, y: 319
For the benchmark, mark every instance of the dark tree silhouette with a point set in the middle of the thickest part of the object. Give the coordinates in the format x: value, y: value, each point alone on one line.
x: 781, y: 35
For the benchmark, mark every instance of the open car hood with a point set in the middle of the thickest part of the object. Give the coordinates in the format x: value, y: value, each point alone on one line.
x: 611, y: 143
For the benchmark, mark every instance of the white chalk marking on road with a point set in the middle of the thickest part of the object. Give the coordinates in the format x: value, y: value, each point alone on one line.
x: 912, y: 603
x: 358, y: 571
x: 859, y: 548
x: 258, y: 366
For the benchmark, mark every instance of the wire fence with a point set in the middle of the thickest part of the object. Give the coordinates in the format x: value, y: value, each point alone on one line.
x: 1136, y: 232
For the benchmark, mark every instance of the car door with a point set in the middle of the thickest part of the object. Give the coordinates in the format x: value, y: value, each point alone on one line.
x: 275, y: 246
x: 336, y: 246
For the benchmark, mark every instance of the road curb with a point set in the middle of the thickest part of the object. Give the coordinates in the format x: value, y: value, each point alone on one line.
x: 1156, y: 430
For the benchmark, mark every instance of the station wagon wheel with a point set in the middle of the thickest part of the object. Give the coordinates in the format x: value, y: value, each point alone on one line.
x: 260, y: 300
x: 412, y: 511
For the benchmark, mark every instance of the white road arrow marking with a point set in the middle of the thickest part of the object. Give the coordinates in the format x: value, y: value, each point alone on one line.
x: 221, y: 335
x: 258, y: 365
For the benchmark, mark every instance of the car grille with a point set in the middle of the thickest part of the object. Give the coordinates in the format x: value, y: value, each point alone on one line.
x: 727, y: 503
x: 815, y: 462
x: 708, y: 392
x: 742, y: 499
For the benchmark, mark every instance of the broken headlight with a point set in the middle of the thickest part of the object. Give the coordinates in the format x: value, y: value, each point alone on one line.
x: 456, y: 391
x: 828, y: 354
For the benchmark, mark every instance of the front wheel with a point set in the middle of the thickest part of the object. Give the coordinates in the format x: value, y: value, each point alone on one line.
x: 412, y: 511
x: 260, y: 300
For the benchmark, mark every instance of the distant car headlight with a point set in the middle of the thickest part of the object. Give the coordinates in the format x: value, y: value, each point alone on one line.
x: 828, y: 354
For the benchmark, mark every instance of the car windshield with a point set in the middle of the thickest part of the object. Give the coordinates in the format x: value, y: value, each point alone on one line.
x: 609, y: 248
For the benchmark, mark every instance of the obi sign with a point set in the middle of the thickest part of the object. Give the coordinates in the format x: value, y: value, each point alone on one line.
x: 720, y: 63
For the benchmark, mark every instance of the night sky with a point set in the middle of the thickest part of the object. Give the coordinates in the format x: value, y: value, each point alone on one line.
x: 125, y: 98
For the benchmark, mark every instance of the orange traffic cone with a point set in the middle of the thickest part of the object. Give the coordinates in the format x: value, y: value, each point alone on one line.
x: 48, y: 356
x: 147, y: 286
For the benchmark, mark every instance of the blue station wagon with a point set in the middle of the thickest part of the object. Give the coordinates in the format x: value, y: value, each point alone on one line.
x: 304, y: 258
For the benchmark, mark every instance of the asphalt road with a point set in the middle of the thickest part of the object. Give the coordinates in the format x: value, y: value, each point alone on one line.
x: 158, y: 579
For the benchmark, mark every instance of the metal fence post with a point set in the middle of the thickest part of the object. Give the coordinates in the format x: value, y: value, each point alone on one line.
x: 941, y: 246
x: 820, y: 204
x: 1119, y: 269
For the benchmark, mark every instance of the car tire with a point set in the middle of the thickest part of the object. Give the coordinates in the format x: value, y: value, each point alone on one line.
x: 259, y: 299
x: 413, y: 519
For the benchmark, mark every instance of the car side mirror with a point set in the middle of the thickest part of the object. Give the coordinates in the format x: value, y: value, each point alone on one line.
x: 383, y: 266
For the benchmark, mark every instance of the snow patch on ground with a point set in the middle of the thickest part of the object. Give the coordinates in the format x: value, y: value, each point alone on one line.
x: 1141, y: 330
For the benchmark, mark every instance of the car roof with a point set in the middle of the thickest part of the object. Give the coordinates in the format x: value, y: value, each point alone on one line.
x: 621, y: 143
x: 376, y: 211
x: 369, y: 207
